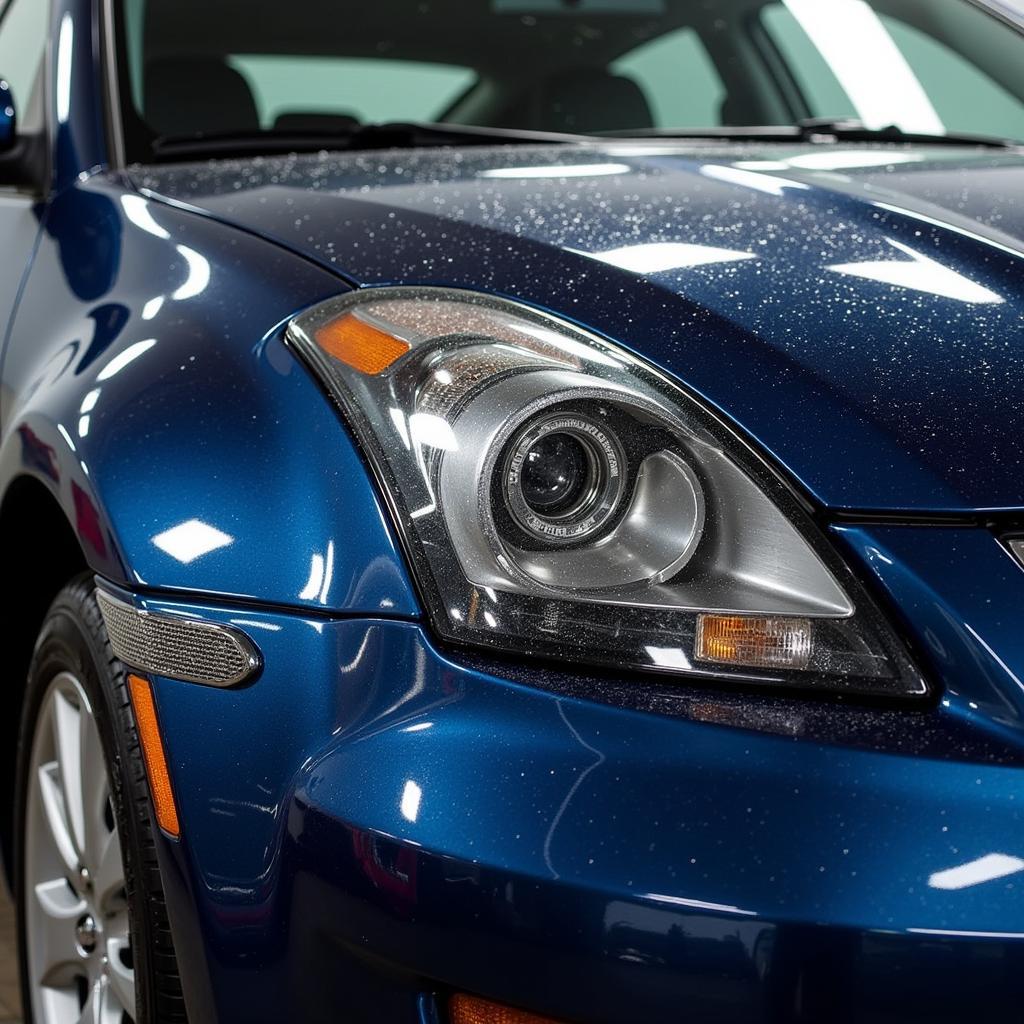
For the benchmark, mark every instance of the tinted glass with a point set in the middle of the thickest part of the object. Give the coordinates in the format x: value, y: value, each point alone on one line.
x: 364, y: 89
x: 587, y: 66
x: 946, y: 67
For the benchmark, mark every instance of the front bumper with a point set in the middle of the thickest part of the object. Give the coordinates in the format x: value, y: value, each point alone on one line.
x: 371, y: 822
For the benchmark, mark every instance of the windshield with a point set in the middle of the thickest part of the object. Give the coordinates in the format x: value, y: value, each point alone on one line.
x: 324, y: 67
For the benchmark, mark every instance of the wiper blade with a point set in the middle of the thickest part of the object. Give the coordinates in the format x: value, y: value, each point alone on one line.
x: 818, y: 130
x: 390, y: 135
x: 713, y: 133
x: 852, y: 130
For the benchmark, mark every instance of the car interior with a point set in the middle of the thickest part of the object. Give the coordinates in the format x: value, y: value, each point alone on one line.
x: 540, y: 65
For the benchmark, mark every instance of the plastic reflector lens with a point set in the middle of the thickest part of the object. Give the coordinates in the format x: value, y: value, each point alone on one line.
x: 757, y: 642
x: 465, y: 1009
x: 360, y: 345
x: 153, y: 753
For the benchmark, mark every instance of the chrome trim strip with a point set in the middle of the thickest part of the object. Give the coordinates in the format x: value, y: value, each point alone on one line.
x: 194, y: 651
x: 112, y: 93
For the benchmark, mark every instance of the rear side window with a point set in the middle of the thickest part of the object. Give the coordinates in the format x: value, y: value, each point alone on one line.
x: 368, y: 90
x: 23, y: 30
x: 929, y: 82
x: 678, y: 79
x: 964, y: 97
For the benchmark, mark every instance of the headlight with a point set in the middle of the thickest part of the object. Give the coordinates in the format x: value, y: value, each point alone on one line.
x: 559, y: 497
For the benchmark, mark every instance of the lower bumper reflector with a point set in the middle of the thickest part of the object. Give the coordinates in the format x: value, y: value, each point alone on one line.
x: 463, y: 1009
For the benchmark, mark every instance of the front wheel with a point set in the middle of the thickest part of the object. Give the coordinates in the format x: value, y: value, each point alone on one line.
x: 94, y: 940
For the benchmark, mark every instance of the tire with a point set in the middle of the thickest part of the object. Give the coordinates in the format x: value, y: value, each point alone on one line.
x: 98, y: 939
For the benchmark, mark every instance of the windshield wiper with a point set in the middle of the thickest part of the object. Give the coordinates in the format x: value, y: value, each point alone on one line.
x: 852, y: 130
x: 819, y: 130
x: 420, y: 134
x: 390, y: 135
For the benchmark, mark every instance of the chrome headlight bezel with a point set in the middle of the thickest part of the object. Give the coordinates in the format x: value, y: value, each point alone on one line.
x: 484, y: 587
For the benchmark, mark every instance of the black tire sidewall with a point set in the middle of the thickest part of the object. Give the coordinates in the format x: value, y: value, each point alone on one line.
x: 73, y: 640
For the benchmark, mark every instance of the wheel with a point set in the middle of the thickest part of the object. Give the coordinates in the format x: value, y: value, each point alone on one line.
x: 94, y: 939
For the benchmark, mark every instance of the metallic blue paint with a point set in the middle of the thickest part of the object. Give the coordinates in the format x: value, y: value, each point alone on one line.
x: 776, y: 320
x: 165, y: 399
x: 412, y: 824
x: 376, y: 821
x: 76, y: 97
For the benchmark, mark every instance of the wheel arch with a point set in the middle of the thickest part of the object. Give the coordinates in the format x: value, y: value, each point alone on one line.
x: 40, y: 553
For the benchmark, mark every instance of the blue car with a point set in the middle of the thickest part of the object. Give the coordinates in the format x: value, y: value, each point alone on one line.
x: 512, y: 511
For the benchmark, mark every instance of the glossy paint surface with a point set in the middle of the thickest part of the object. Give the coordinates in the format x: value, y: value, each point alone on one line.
x: 411, y: 824
x: 858, y: 309
x: 76, y: 97
x: 376, y: 821
x: 160, y: 407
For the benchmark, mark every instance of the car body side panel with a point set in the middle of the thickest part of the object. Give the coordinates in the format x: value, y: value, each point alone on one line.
x: 148, y: 388
x: 371, y: 819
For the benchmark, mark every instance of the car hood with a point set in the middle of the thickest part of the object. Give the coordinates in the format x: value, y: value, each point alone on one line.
x: 858, y: 310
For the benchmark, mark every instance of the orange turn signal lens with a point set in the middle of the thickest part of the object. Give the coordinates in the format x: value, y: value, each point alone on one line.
x: 360, y: 345
x: 465, y: 1009
x: 754, y: 641
x: 153, y: 754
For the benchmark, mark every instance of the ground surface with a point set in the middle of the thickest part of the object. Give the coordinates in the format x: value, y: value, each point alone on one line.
x: 9, y: 1011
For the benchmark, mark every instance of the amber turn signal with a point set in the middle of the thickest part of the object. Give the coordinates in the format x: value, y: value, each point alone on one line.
x: 153, y: 754
x: 360, y: 345
x: 463, y: 1009
x: 754, y: 641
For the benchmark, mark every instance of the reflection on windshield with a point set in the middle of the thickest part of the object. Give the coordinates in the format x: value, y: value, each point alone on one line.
x: 867, y: 63
x: 634, y: 68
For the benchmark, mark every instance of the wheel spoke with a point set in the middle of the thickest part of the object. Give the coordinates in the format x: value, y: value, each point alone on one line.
x: 91, y: 1010
x: 95, y: 789
x: 56, y: 961
x: 56, y: 818
x: 99, y: 1007
x: 122, y: 978
x: 67, y: 738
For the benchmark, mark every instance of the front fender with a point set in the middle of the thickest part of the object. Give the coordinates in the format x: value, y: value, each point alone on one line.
x: 147, y: 386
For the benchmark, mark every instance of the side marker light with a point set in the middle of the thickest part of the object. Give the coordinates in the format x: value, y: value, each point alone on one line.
x: 153, y: 754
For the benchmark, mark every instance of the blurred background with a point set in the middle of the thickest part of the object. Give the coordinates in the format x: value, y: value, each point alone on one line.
x: 9, y: 1011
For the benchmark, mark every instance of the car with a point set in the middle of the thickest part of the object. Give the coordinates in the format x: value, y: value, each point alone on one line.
x: 512, y: 511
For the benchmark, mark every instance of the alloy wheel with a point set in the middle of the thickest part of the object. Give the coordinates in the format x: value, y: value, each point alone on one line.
x: 78, y: 939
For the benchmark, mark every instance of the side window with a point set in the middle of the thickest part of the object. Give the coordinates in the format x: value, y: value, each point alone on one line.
x: 678, y: 78
x: 916, y: 80
x: 23, y: 31
x: 964, y: 97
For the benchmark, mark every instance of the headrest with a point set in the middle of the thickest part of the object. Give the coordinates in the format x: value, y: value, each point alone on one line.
x: 187, y: 96
x: 591, y: 100
x: 314, y: 121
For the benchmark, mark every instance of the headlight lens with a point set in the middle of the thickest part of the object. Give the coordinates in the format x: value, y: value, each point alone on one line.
x: 559, y: 497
